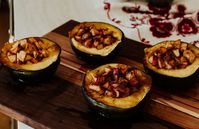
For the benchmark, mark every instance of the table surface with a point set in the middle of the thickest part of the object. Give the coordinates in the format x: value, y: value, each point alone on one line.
x: 59, y: 104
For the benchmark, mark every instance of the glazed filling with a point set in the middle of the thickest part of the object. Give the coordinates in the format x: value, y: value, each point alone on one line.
x: 116, y: 82
x: 174, y: 55
x: 92, y: 37
x: 27, y: 51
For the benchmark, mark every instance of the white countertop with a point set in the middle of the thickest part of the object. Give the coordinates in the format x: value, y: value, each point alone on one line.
x: 36, y: 18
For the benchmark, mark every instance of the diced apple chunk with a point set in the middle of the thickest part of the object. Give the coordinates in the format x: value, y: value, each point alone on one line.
x: 21, y: 55
x: 183, y: 47
x: 176, y: 52
x: 12, y: 58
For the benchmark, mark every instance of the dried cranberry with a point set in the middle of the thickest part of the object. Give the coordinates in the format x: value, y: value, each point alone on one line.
x: 134, y: 82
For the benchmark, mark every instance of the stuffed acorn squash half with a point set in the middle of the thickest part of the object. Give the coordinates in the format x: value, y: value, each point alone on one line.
x: 116, y: 90
x: 31, y: 59
x: 173, y: 62
x: 96, y: 41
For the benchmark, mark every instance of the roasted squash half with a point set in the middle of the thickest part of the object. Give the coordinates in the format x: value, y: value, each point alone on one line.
x: 116, y: 90
x: 94, y: 41
x: 173, y: 61
x: 31, y: 59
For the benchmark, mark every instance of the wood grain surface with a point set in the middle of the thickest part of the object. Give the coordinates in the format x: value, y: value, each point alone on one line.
x: 59, y: 104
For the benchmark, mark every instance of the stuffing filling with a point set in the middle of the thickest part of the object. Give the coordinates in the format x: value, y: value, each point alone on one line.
x: 116, y: 82
x: 91, y: 37
x: 174, y: 55
x: 27, y: 51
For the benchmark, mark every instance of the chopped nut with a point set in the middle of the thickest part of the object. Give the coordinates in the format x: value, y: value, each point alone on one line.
x: 151, y: 59
x: 163, y: 50
x: 106, y: 32
x: 169, y: 45
x: 78, y: 38
x: 86, y: 36
x: 44, y: 53
x: 107, y: 70
x: 23, y: 43
x: 115, y: 85
x: 108, y: 40
x: 117, y: 93
x: 14, y: 48
x: 177, y: 44
x: 106, y: 85
x: 32, y: 40
x: 80, y: 32
x: 12, y: 58
x: 168, y: 66
x: 28, y: 57
x: 129, y: 76
x: 35, y: 54
x: 94, y: 32
x: 124, y: 68
x: 183, y: 47
x: 189, y: 55
x: 172, y: 63
x: 95, y: 44
x: 108, y: 93
x: 37, y: 45
x: 33, y: 60
x: 88, y: 43
x: 100, y: 46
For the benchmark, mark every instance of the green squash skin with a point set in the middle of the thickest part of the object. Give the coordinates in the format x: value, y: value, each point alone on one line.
x: 172, y: 83
x: 169, y: 82
x: 32, y: 77
x: 98, y: 58
x: 113, y: 112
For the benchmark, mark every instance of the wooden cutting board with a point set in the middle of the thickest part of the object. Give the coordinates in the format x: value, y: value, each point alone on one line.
x: 59, y: 104
x: 179, y: 107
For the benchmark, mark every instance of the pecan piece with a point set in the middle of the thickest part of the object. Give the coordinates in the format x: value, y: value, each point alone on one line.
x: 88, y: 43
x: 108, y: 40
x: 183, y: 47
x: 12, y: 58
x: 86, y: 36
x: 189, y: 55
x: 78, y: 38
x: 94, y: 31
x: 80, y: 32
x: 14, y: 48
x: 100, y: 46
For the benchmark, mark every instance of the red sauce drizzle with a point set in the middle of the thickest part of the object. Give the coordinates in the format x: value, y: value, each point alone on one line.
x: 160, y: 26
x: 160, y: 29
x: 187, y: 26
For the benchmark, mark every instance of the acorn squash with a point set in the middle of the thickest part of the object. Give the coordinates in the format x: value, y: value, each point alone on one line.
x: 96, y: 41
x: 32, y: 59
x: 172, y: 62
x: 116, y: 90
